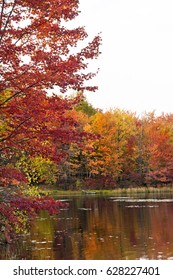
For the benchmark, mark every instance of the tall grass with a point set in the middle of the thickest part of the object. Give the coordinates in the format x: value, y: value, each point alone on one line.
x: 117, y: 191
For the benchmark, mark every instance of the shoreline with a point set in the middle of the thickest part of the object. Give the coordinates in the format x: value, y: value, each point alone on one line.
x: 118, y: 191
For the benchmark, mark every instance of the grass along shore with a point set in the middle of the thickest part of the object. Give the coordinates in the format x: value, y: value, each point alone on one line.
x: 117, y: 191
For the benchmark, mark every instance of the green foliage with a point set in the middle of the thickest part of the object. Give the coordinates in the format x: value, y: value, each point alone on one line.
x: 79, y: 184
x: 86, y: 108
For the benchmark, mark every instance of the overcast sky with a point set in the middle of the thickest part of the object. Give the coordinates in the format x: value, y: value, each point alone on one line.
x: 136, y: 65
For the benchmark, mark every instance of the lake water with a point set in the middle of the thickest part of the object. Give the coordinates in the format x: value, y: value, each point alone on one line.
x: 100, y: 227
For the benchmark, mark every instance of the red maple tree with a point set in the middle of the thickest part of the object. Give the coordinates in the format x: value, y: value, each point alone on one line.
x: 39, y: 54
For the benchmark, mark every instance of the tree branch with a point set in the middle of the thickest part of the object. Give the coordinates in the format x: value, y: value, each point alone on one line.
x: 2, y: 11
x: 16, y: 128
x: 8, y: 19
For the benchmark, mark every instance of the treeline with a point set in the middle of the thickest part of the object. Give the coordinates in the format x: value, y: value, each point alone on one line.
x: 99, y: 150
x: 127, y: 151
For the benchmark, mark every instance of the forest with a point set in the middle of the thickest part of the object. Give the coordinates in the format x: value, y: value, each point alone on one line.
x: 49, y: 137
x: 94, y: 149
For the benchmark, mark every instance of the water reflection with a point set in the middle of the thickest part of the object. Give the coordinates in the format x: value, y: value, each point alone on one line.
x: 100, y: 228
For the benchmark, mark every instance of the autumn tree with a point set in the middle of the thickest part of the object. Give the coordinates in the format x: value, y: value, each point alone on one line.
x: 73, y: 169
x: 141, y: 148
x: 111, y: 155
x: 36, y: 51
x: 39, y: 55
x: 160, y: 162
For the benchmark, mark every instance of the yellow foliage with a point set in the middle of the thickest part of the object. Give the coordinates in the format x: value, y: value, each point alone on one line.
x: 38, y: 169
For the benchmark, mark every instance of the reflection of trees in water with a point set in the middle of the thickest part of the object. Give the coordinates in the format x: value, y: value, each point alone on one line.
x: 42, y: 237
x: 112, y: 231
x: 14, y: 251
x: 8, y: 251
x: 109, y: 230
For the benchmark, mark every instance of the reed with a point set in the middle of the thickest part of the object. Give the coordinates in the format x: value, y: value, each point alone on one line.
x: 117, y: 191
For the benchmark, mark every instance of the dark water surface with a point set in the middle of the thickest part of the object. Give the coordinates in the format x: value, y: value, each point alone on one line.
x: 97, y: 227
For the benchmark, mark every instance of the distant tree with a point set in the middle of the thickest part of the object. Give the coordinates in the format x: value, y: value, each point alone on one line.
x: 85, y: 107
x: 112, y: 153
x: 160, y: 162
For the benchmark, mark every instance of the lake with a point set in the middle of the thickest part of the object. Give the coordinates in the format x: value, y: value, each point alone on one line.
x: 100, y: 228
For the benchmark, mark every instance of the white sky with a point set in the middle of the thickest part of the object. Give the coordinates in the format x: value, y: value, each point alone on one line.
x: 136, y: 65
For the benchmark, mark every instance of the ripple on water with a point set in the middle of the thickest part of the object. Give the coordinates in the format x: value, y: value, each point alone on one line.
x: 85, y: 209
x: 144, y: 200
x: 64, y: 200
x: 142, y: 206
x: 101, y: 239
